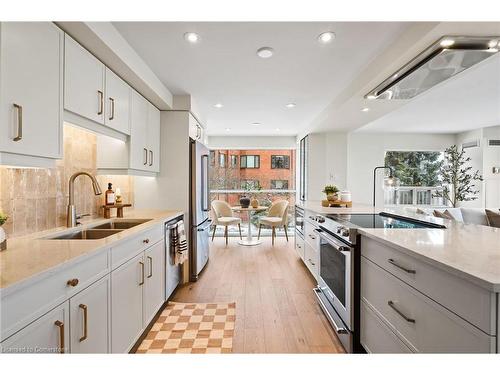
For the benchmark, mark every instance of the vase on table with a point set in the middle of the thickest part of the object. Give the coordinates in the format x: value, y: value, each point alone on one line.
x: 244, y: 202
x: 254, y: 203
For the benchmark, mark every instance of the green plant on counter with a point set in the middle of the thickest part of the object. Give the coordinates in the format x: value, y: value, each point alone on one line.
x: 3, y: 218
x: 330, y: 189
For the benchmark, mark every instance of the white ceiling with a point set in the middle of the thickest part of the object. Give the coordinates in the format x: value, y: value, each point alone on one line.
x: 469, y: 100
x: 223, y: 67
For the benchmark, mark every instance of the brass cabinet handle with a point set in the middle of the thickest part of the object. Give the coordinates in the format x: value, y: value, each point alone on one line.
x: 72, y: 282
x: 61, y: 335
x: 85, y: 321
x: 19, y: 134
x: 146, y: 156
x: 150, y: 267
x: 146, y: 240
x: 391, y: 305
x: 112, y: 102
x: 142, y: 273
x: 391, y: 261
x: 100, y: 95
x: 150, y: 158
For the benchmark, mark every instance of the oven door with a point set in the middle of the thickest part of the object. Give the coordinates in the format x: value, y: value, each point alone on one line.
x: 299, y: 220
x: 335, y: 275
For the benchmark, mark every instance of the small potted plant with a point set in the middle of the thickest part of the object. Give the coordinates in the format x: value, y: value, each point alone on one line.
x: 331, y: 192
x: 3, y: 236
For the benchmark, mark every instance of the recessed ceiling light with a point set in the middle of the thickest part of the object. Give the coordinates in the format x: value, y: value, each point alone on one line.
x: 291, y: 105
x: 228, y: 129
x: 371, y: 97
x: 265, y: 52
x: 447, y: 43
x: 192, y: 37
x: 255, y: 123
x: 326, y: 37
x: 366, y: 109
x: 277, y: 129
x: 218, y: 105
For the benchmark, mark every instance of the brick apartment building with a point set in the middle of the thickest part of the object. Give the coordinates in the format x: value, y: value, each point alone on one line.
x: 238, y: 169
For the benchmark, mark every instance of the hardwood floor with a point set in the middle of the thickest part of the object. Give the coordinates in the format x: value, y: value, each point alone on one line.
x: 276, y: 311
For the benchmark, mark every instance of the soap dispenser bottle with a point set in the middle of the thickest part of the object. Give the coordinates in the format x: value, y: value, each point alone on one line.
x: 110, y: 195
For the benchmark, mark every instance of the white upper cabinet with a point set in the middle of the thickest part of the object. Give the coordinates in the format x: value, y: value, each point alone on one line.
x: 84, y: 79
x: 153, y: 138
x: 117, y: 103
x: 139, y: 153
x: 196, y: 131
x: 31, y: 81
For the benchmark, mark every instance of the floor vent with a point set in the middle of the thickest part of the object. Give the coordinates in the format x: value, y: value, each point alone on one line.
x: 470, y: 144
x: 494, y: 142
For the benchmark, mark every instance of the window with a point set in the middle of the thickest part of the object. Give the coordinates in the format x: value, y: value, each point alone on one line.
x: 280, y: 162
x: 249, y: 161
x: 222, y: 160
x: 234, y: 161
x: 279, y: 184
x: 212, y: 157
x: 250, y: 184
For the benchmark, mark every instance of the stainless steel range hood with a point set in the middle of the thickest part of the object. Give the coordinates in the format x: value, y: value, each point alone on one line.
x: 448, y: 56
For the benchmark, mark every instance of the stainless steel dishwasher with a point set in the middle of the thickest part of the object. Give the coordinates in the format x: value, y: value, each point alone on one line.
x: 173, y: 272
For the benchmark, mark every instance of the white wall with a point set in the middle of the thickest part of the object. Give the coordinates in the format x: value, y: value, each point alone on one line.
x: 257, y: 142
x: 365, y: 151
x: 491, y: 158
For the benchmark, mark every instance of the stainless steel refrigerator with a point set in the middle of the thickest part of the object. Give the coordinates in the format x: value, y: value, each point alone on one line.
x: 199, y: 209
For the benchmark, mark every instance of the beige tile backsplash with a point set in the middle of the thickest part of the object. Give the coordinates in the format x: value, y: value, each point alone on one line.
x: 36, y: 199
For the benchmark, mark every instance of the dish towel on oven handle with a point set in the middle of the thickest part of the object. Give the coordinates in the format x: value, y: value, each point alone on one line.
x: 178, y: 243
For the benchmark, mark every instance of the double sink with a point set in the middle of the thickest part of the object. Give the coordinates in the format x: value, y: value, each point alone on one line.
x: 98, y: 231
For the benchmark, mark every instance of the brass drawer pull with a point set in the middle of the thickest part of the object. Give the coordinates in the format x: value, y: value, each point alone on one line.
x: 85, y: 321
x: 142, y: 273
x: 61, y: 335
x: 391, y: 261
x: 112, y: 102
x: 392, y: 306
x: 19, y: 134
x: 100, y: 96
x: 150, y: 267
x: 72, y: 282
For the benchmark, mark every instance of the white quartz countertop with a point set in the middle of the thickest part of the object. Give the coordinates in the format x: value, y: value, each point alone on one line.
x: 33, y: 255
x: 468, y: 251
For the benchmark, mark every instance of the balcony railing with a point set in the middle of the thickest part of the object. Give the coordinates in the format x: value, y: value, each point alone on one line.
x: 413, y: 195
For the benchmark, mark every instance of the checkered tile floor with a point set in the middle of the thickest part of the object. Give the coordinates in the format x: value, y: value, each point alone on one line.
x: 192, y: 328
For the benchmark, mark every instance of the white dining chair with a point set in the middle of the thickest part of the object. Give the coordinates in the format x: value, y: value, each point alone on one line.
x: 224, y: 215
x: 276, y: 217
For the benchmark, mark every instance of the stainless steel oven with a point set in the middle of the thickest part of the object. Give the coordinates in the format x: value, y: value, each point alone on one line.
x: 299, y: 220
x: 335, y: 285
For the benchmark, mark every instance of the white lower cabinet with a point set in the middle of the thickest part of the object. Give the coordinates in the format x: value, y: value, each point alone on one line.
x: 47, y: 334
x: 154, y: 286
x: 89, y: 317
x: 126, y: 304
x: 300, y: 245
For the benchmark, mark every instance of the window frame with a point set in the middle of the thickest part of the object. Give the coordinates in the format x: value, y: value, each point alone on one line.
x: 222, y: 160
x: 234, y: 161
x: 244, y: 165
x: 273, y: 182
x: 286, y: 161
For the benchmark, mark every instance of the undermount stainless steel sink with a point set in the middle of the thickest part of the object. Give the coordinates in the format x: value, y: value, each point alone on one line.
x: 121, y: 224
x: 86, y: 234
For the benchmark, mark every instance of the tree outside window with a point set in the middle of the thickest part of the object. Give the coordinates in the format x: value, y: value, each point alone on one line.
x: 279, y: 184
x: 250, y: 184
x: 280, y: 162
x: 415, y: 168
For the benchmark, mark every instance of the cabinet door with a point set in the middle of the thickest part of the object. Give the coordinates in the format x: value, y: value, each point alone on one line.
x: 117, y: 103
x: 193, y: 127
x: 138, y: 146
x: 126, y: 304
x: 154, y: 288
x: 31, y: 78
x: 89, y: 317
x: 153, y: 138
x: 47, y: 334
x: 83, y: 82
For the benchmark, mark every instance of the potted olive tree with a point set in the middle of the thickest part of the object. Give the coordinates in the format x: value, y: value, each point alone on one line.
x: 3, y: 236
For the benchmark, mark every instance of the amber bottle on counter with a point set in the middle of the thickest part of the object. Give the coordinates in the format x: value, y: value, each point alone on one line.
x: 110, y: 195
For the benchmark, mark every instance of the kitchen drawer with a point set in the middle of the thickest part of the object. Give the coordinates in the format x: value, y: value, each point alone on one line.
x: 310, y: 235
x: 311, y: 260
x: 422, y: 323
x: 474, y: 304
x: 22, y: 306
x: 300, y: 245
x: 376, y: 336
x: 135, y: 244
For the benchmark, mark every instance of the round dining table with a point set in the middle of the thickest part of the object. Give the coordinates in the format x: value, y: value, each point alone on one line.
x: 249, y: 241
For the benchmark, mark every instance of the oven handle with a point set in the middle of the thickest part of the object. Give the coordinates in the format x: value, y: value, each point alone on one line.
x: 340, y: 331
x: 337, y: 245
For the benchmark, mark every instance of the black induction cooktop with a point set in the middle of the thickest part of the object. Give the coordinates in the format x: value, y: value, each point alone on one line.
x: 382, y: 220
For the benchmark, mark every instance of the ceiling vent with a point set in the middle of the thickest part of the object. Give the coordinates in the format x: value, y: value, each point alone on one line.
x: 470, y: 144
x: 494, y: 142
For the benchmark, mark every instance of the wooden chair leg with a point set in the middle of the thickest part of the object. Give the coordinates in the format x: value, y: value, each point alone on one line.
x: 239, y: 227
x: 286, y: 232
x: 273, y: 234
x: 213, y: 234
x: 225, y: 234
x: 260, y: 227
